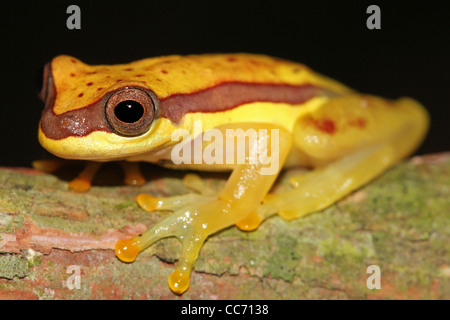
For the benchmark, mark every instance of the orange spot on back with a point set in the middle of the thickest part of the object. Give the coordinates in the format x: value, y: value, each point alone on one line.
x: 80, y: 94
x: 325, y: 125
x: 358, y: 122
x: 72, y: 74
x: 89, y: 83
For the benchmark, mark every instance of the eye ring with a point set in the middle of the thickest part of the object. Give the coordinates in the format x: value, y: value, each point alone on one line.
x: 130, y: 111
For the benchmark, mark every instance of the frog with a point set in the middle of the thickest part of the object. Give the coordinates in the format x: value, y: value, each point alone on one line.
x: 154, y: 109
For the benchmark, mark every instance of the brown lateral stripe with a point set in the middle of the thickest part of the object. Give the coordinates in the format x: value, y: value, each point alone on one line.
x: 229, y: 95
x: 222, y: 97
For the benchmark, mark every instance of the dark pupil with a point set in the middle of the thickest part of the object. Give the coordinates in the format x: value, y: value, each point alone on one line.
x: 129, y: 111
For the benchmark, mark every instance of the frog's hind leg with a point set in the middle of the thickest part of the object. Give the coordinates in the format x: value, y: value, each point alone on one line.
x: 351, y: 153
x: 321, y: 187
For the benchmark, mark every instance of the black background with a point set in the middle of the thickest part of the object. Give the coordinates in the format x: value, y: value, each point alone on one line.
x: 409, y: 56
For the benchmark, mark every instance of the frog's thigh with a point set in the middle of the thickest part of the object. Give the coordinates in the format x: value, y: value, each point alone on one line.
x: 342, y: 165
x: 321, y: 187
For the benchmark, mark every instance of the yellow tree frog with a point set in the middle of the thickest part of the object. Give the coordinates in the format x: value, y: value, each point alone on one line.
x: 132, y: 112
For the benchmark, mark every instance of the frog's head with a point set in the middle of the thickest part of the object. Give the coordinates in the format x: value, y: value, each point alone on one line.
x: 112, y: 112
x: 98, y: 112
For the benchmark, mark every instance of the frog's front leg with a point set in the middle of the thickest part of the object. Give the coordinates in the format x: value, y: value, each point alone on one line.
x: 192, y: 223
x: 83, y: 181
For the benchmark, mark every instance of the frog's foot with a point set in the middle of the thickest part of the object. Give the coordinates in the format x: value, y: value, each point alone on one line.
x: 250, y: 222
x: 195, y: 217
x: 192, y: 181
x: 183, y: 224
x: 191, y: 224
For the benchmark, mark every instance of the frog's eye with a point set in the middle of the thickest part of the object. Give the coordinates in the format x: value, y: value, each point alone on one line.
x: 130, y: 111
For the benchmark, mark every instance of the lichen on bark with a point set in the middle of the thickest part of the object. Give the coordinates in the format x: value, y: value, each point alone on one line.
x: 399, y: 222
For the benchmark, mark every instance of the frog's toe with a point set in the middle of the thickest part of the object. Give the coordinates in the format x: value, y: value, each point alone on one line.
x: 179, y: 282
x: 133, y: 175
x: 151, y: 203
x: 50, y: 165
x: 127, y: 249
x: 147, y: 202
x: 250, y: 222
x: 180, y: 278
x: 80, y: 184
x: 83, y: 181
x: 134, y: 180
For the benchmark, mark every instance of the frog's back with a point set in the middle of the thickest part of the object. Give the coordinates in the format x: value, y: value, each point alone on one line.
x: 81, y: 84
